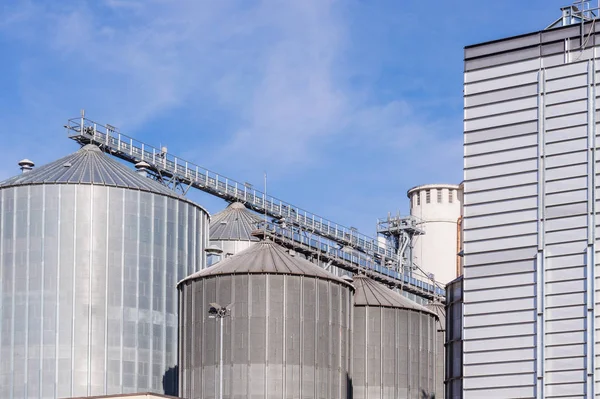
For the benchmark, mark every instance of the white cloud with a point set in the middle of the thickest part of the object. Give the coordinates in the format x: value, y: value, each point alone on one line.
x: 277, y: 71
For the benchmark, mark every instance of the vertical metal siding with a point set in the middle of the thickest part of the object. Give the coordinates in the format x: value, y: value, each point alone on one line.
x: 286, y: 337
x: 84, y: 288
x: 394, y: 353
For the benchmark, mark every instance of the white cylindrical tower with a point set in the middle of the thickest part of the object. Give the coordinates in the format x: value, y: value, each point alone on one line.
x: 438, y: 209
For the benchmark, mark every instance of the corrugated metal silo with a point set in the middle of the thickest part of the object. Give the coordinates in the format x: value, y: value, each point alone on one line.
x: 395, y: 346
x: 90, y: 254
x: 289, y: 334
x: 231, y: 229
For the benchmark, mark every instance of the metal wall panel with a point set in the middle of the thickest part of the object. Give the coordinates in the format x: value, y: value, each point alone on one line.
x: 501, y: 219
x: 500, y: 83
x: 501, y: 95
x: 551, y: 315
x: 500, y: 120
x: 501, y: 132
x: 503, y: 107
x: 501, y: 145
x: 87, y: 289
x: 394, y: 353
x: 502, y: 58
x: 491, y: 183
x: 504, y: 70
x: 287, y: 337
x: 500, y: 157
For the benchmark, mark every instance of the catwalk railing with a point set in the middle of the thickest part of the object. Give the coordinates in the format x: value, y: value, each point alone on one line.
x: 181, y: 173
x: 315, y: 247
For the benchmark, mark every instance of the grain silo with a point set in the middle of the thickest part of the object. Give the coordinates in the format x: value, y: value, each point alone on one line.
x: 90, y: 254
x: 288, y: 334
x: 394, y: 344
x: 230, y: 229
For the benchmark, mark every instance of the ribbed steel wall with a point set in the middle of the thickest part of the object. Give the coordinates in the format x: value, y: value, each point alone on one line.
x: 531, y: 216
x: 88, y: 300
x: 288, y: 337
x: 394, y: 353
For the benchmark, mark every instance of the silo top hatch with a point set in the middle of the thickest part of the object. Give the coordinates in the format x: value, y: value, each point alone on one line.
x: 89, y: 165
x: 235, y: 222
x: 371, y: 293
x: 266, y: 257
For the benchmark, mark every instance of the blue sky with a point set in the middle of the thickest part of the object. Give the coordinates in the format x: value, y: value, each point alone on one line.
x: 344, y: 104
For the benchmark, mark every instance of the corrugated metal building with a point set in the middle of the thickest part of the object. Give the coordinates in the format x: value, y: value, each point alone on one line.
x: 90, y: 255
x: 288, y: 334
x: 530, y: 211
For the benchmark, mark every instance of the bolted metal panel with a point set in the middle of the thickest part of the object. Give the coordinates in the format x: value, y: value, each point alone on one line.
x: 281, y: 341
x: 88, y: 293
x: 394, y: 345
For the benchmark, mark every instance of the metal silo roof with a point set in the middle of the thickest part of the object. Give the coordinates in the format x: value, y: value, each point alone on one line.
x: 235, y: 222
x: 440, y: 310
x: 371, y: 293
x: 89, y: 165
x: 266, y: 257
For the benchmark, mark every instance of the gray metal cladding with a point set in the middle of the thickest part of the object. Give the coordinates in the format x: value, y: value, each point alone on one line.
x: 89, y: 165
x: 235, y: 222
x: 231, y: 229
x: 395, y: 345
x: 288, y: 336
x: 530, y: 223
x: 88, y: 300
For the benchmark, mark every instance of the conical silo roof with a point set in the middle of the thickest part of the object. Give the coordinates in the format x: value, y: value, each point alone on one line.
x: 266, y: 257
x: 89, y: 165
x: 235, y: 222
x: 371, y: 293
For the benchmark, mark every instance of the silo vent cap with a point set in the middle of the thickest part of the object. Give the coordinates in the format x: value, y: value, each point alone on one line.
x: 26, y: 165
x: 142, y: 165
x: 213, y: 249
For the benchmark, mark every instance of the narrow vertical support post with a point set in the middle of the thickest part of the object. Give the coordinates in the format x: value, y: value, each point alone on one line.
x: 221, y: 362
x: 541, y: 255
x: 82, y: 121
x: 590, y: 261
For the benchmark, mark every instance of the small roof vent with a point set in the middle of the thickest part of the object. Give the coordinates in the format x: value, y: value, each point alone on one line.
x: 142, y: 168
x: 213, y: 249
x: 26, y: 165
x: 142, y: 165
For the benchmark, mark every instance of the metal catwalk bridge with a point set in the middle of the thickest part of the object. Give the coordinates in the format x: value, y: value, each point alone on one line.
x: 313, y: 247
x: 374, y: 257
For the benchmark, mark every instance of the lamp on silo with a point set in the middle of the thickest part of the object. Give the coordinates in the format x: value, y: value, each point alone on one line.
x: 216, y: 311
